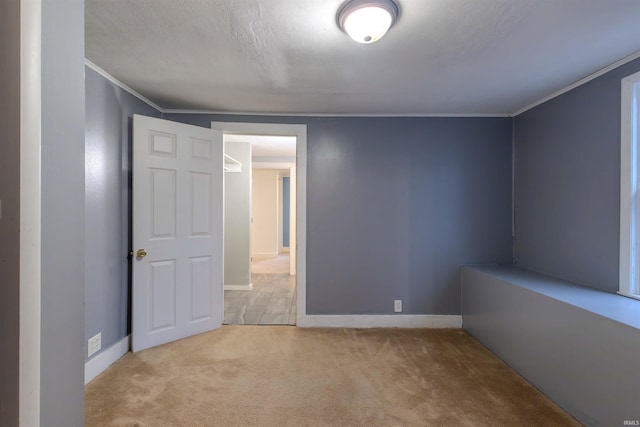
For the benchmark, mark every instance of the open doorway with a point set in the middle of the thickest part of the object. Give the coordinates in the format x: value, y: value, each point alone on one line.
x: 260, y: 221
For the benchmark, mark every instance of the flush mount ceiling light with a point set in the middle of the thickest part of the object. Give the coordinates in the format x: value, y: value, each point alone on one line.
x: 366, y: 21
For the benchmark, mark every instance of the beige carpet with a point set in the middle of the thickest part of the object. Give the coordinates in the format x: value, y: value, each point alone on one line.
x: 277, y: 265
x: 285, y: 376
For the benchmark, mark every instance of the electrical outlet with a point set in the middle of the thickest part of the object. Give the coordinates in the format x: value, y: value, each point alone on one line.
x: 397, y: 306
x: 95, y: 343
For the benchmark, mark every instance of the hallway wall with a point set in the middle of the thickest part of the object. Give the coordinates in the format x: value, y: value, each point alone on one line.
x: 266, y: 226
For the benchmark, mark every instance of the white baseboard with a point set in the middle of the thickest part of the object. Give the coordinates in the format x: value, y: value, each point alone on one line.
x: 238, y: 287
x: 380, y: 321
x: 284, y: 250
x: 102, y: 361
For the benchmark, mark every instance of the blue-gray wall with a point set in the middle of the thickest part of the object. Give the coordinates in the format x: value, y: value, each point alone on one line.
x: 286, y: 200
x: 63, y: 214
x: 10, y: 221
x: 579, y: 346
x: 109, y: 112
x: 567, y: 183
x: 567, y: 210
x: 395, y: 205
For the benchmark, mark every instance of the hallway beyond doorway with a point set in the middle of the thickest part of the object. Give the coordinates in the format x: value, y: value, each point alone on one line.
x: 277, y: 265
x: 272, y: 299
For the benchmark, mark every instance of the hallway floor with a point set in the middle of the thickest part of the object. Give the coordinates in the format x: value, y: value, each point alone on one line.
x: 272, y: 300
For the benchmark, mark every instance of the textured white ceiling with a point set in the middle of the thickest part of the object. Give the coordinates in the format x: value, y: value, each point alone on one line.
x: 266, y: 145
x: 289, y: 56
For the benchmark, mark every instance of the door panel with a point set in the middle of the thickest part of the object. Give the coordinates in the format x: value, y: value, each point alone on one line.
x: 201, y: 270
x: 163, y: 204
x: 162, y: 295
x: 177, y: 220
x: 200, y: 204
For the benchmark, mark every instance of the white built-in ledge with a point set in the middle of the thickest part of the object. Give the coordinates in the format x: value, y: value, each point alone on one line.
x: 613, y: 306
x: 231, y: 164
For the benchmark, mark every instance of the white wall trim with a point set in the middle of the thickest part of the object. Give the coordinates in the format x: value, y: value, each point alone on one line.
x: 630, y: 92
x: 99, y: 363
x: 238, y: 287
x: 300, y: 132
x: 271, y: 165
x: 126, y: 88
x: 555, y: 94
x: 580, y: 82
x: 121, y: 85
x: 277, y: 160
x: 624, y: 294
x: 294, y: 114
x: 30, y: 211
x: 380, y: 321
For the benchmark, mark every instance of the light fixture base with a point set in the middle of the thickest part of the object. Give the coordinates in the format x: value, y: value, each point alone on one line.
x: 366, y: 21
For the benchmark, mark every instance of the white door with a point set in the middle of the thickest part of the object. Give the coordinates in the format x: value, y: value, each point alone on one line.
x: 177, y: 231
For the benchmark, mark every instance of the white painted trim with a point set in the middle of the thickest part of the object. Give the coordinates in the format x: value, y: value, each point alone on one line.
x: 293, y: 221
x: 231, y: 165
x: 126, y: 88
x: 99, y: 363
x: 259, y: 159
x: 30, y: 211
x: 555, y: 94
x: 630, y: 93
x: 293, y: 114
x: 279, y: 211
x: 381, y: 321
x: 122, y: 86
x: 580, y: 82
x: 238, y: 287
x: 300, y: 132
x: 271, y: 165
x: 624, y: 294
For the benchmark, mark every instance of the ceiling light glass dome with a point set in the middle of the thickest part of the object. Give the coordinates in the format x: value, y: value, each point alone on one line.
x: 366, y: 21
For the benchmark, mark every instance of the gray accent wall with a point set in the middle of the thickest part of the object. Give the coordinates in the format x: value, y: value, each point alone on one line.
x: 63, y: 214
x: 567, y: 183
x: 237, y: 217
x: 395, y: 205
x: 10, y: 220
x: 108, y: 132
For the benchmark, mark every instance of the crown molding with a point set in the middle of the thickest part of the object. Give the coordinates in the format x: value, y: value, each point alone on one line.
x: 562, y: 91
x: 141, y: 97
x: 249, y: 113
x: 580, y: 82
x: 121, y: 85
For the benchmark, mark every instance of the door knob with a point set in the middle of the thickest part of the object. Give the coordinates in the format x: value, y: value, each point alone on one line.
x: 141, y: 253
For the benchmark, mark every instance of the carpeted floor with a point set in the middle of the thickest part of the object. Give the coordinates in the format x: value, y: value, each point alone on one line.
x: 284, y: 376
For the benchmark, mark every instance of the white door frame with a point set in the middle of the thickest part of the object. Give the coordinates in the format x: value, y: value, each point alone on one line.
x: 300, y: 132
